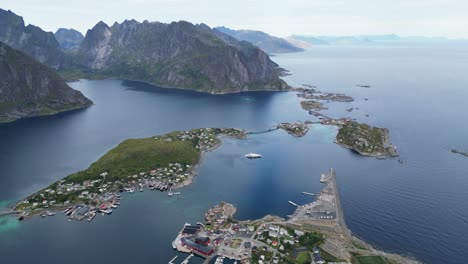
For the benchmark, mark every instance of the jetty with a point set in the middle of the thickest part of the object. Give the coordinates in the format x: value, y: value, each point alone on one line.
x: 293, y: 203
x: 308, y: 193
x: 172, y: 260
x: 5, y: 213
x: 187, y: 259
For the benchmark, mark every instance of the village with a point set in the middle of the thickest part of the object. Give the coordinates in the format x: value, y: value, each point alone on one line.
x: 267, y: 240
x: 221, y: 237
x: 86, y: 199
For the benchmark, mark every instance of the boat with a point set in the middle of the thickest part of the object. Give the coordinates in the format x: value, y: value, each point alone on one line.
x: 51, y: 213
x: 141, y: 189
x: 170, y: 193
x: 91, y: 216
x: 253, y: 156
x: 21, y: 217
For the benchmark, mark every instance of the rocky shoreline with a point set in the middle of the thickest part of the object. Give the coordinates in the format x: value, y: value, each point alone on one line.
x: 461, y: 152
x: 366, y: 140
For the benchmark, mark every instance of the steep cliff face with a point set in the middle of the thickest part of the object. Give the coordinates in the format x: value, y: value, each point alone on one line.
x: 31, y: 40
x: 265, y: 42
x: 180, y: 55
x: 68, y: 39
x: 29, y: 88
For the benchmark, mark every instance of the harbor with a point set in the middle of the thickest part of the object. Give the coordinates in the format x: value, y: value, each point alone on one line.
x: 316, y: 228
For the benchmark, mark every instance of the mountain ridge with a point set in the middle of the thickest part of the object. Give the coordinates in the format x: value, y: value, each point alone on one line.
x: 29, y: 88
x: 177, y: 55
x: 264, y: 41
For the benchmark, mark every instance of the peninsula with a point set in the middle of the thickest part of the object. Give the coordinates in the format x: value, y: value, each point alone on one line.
x: 162, y: 163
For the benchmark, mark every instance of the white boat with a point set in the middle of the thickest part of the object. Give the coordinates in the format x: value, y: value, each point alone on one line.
x: 253, y: 156
x: 170, y: 193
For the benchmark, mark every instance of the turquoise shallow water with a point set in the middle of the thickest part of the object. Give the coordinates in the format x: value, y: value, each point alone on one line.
x: 418, y: 208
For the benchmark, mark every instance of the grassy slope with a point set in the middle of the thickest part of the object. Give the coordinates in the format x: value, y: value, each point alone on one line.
x: 140, y: 155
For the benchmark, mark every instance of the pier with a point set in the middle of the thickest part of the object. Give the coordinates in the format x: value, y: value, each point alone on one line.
x: 8, y: 213
x: 293, y: 203
x: 308, y: 193
x: 172, y: 260
x: 186, y: 260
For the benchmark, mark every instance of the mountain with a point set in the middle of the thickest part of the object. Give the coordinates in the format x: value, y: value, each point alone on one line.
x: 311, y: 40
x: 389, y: 39
x: 30, y: 39
x: 69, y: 39
x: 178, y: 55
x: 262, y: 40
x: 29, y: 88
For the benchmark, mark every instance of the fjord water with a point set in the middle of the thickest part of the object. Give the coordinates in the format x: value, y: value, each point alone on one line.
x: 417, y: 208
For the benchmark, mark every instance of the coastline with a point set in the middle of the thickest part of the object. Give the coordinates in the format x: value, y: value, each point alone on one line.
x: 191, y: 173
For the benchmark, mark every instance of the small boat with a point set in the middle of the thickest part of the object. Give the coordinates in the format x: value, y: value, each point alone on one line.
x: 170, y: 193
x: 51, y: 213
x: 91, y: 217
x: 253, y: 156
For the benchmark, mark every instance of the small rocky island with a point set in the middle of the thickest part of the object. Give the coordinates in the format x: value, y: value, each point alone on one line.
x: 461, y: 152
x: 366, y: 140
x: 162, y: 163
x: 312, y: 105
x: 297, y: 129
x: 316, y: 95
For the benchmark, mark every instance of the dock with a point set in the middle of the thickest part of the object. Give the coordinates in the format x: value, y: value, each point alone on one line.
x: 8, y: 213
x: 308, y: 193
x: 186, y: 260
x: 293, y: 203
x: 172, y: 260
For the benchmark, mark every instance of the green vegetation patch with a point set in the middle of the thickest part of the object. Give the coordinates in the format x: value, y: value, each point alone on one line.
x: 139, y: 155
x: 303, y: 258
x: 365, y: 139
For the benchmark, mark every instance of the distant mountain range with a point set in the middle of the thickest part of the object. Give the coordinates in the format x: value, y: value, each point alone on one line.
x: 29, y: 88
x: 69, y: 39
x: 368, y: 40
x: 265, y: 42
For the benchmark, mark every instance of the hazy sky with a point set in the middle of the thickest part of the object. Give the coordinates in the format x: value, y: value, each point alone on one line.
x: 278, y: 17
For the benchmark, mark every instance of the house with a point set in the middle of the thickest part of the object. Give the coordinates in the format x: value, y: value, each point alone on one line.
x: 273, y: 234
x: 298, y: 233
x: 317, y: 259
x: 202, y: 240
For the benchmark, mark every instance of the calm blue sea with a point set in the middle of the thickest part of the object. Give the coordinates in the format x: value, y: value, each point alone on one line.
x: 418, y: 208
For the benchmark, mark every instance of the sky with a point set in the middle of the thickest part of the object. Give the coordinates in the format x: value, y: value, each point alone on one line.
x: 446, y: 18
